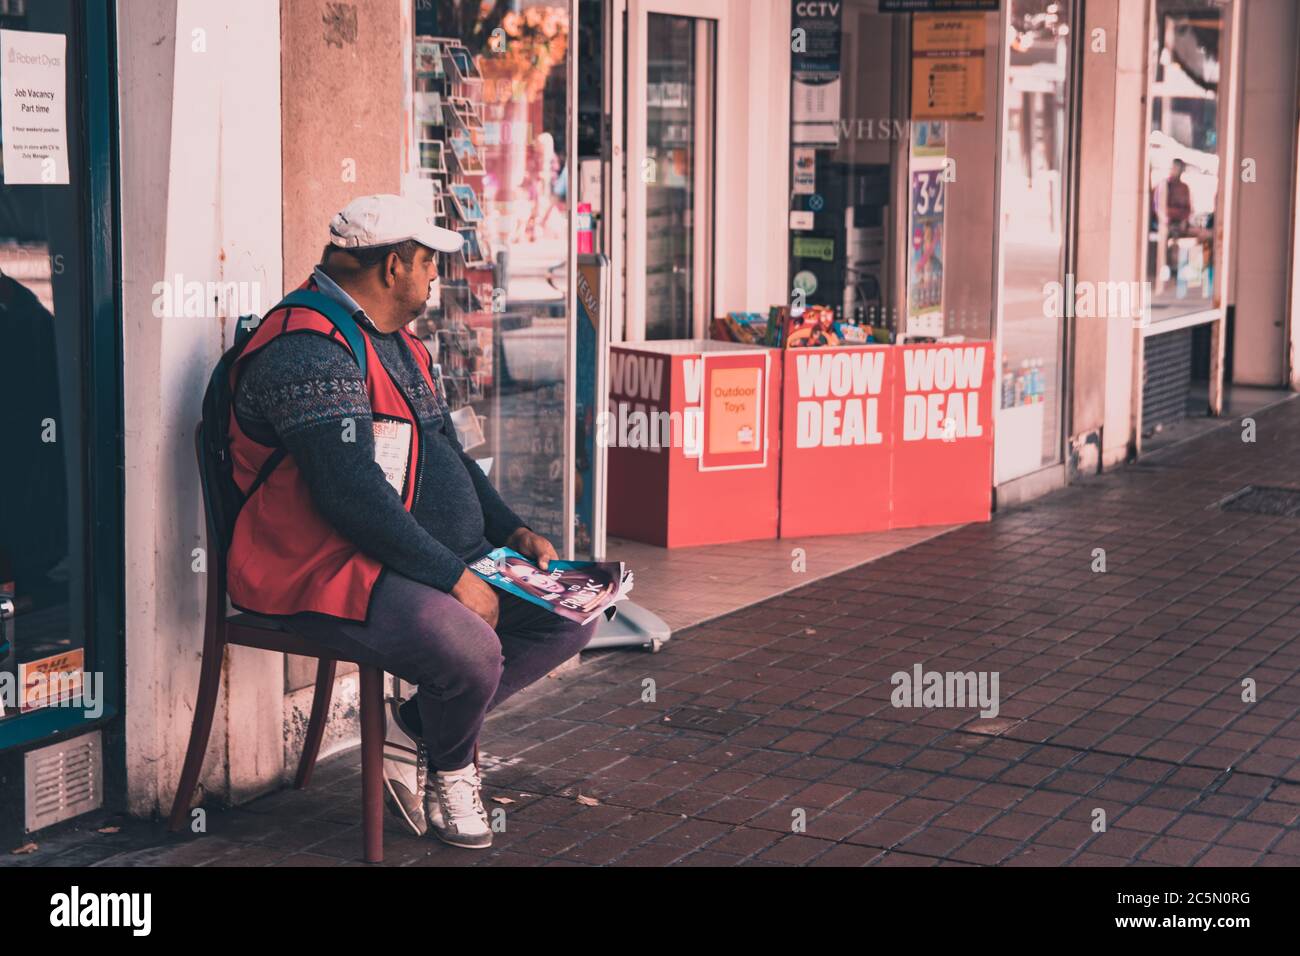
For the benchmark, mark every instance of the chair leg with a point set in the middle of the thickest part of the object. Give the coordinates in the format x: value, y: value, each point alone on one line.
x: 204, y: 707
x: 320, y: 710
x: 372, y: 763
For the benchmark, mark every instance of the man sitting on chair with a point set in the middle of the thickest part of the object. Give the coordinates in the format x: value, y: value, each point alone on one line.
x: 362, y: 533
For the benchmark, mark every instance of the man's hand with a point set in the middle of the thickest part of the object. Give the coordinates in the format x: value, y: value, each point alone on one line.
x: 532, y: 545
x: 477, y: 595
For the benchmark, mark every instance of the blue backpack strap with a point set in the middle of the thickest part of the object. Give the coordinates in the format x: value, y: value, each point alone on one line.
x: 337, y: 313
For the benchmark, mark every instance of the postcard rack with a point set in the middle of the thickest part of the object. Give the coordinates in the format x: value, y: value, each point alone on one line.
x: 448, y: 94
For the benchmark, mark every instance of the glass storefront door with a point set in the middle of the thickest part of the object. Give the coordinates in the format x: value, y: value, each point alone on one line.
x: 60, y: 505
x: 673, y: 105
x: 672, y: 53
x: 1033, y: 228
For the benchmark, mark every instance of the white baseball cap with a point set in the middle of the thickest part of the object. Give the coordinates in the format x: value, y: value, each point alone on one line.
x: 384, y: 220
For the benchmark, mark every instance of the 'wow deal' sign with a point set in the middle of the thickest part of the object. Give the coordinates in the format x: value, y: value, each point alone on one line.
x: 943, y: 458
x: 836, y: 439
x: 838, y: 397
x: 941, y: 400
x: 878, y: 437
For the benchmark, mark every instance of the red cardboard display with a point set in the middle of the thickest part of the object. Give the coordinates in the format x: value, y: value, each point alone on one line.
x: 862, y: 438
x: 836, y: 448
x: 654, y: 431
x: 943, y: 434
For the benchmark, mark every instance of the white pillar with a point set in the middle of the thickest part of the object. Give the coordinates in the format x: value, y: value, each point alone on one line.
x: 201, y: 200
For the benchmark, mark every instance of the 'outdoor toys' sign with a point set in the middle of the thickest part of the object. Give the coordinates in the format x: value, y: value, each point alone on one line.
x: 735, y: 419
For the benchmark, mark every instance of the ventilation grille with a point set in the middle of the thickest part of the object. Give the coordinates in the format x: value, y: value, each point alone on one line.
x: 1168, y: 379
x: 63, y: 780
x: 1259, y: 500
x: 711, y: 721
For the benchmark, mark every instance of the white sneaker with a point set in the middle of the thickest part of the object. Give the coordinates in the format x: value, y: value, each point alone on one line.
x: 404, y: 772
x: 432, y: 808
x: 453, y: 806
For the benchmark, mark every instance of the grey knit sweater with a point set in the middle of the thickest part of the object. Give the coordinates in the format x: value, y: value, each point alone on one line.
x: 298, y: 390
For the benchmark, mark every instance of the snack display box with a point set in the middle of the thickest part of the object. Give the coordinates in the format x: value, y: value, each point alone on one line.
x: 711, y: 442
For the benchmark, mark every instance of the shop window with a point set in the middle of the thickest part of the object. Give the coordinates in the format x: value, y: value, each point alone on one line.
x: 887, y: 226
x: 490, y: 82
x: 60, y: 545
x: 1033, y: 231
x: 1183, y: 152
x: 848, y: 154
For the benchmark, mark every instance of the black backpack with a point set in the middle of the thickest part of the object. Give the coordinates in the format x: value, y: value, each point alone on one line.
x: 222, y: 498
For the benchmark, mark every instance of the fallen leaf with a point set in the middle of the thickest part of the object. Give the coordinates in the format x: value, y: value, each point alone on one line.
x: 110, y: 830
x: 502, y: 800
x: 588, y: 801
x: 25, y: 848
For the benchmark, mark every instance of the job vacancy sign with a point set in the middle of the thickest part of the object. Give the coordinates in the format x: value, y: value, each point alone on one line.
x: 34, y: 107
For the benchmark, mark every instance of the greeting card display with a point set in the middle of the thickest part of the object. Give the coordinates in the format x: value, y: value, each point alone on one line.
x: 462, y: 147
x: 448, y: 129
x: 428, y: 59
x: 428, y: 107
x: 459, y: 64
x: 431, y: 157
x: 466, y: 113
x: 466, y: 202
x: 474, y: 251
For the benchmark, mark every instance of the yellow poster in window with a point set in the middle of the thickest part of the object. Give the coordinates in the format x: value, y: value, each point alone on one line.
x: 51, y: 681
x: 948, y: 33
x: 948, y: 66
x: 948, y: 88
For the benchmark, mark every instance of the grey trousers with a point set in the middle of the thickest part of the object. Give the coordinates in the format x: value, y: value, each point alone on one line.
x: 461, y: 666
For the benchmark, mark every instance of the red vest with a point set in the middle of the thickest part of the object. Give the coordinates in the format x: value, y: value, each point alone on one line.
x: 284, y: 556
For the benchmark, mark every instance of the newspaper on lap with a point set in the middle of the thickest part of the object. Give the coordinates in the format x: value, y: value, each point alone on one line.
x: 577, y: 590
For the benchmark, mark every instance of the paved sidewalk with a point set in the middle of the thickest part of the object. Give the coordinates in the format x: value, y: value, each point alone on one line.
x: 689, y: 586
x: 1120, y: 692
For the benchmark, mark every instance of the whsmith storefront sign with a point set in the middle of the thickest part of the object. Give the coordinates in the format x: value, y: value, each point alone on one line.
x: 937, y: 6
